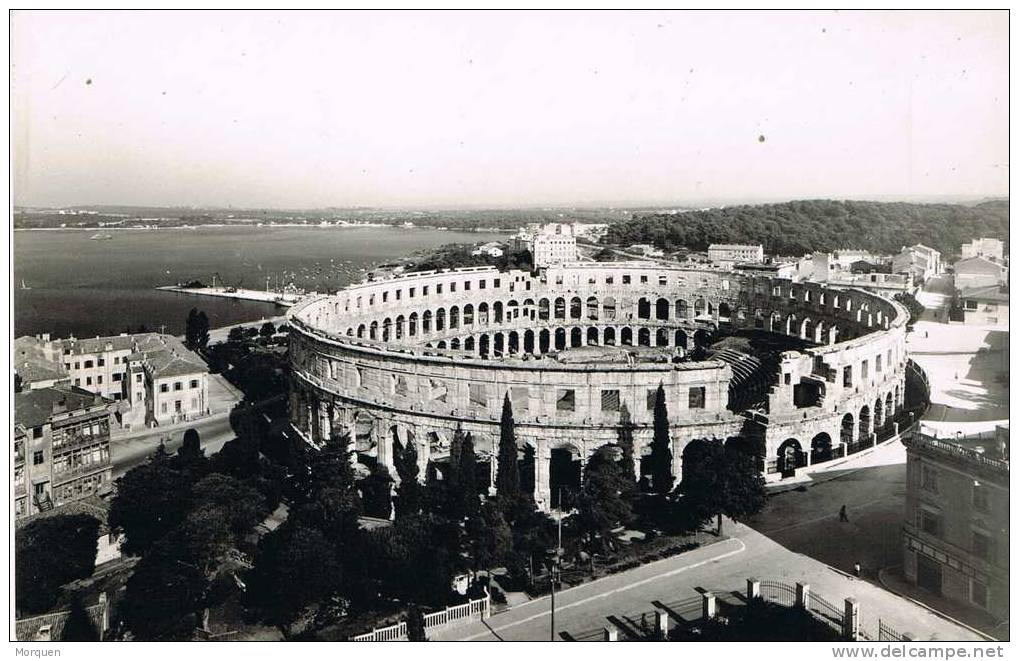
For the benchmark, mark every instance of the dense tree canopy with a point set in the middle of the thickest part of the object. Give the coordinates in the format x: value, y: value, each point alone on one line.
x: 196, y: 330
x: 50, y: 552
x: 721, y: 479
x: 796, y: 228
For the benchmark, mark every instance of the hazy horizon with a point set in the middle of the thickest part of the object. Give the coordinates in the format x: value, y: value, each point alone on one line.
x: 468, y: 110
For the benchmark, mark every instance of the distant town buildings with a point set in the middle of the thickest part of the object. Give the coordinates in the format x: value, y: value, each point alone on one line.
x: 554, y: 243
x: 955, y: 538
x: 984, y: 306
x: 61, y: 447
x: 990, y: 248
x: 645, y: 249
x: 979, y: 272
x: 153, y: 378
x: 492, y: 249
x: 920, y: 261
x: 731, y: 252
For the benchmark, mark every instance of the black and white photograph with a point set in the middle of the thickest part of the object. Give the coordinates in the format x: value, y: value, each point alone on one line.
x: 464, y: 325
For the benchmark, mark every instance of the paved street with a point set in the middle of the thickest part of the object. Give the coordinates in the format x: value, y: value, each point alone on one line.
x: 583, y: 611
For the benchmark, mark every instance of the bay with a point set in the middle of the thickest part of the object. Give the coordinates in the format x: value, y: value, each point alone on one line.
x: 75, y: 285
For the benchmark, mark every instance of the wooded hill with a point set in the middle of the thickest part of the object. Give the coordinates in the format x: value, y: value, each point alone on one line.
x: 796, y: 228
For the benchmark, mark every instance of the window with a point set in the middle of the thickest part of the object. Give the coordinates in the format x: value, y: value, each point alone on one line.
x: 863, y: 370
x: 38, y: 457
x: 652, y: 394
x: 137, y: 378
x: 36, y: 432
x: 663, y: 280
x: 930, y: 522
x: 609, y: 400
x: 697, y: 397
x: 424, y: 290
x: 477, y: 395
x: 116, y: 360
x: 495, y: 283
x: 467, y: 286
x: 847, y: 376
x: 978, y: 593
x: 608, y: 280
x: 117, y: 376
x: 626, y: 279
x: 194, y: 383
x: 99, y: 379
x: 520, y: 396
x: 88, y: 364
x: 452, y: 286
x: 981, y: 500
x: 971, y: 305
x: 67, y: 366
x: 164, y: 387
x: 177, y: 385
x: 88, y: 380
x: 567, y: 401
x: 877, y: 364
x: 101, y: 362
x: 77, y: 382
x: 928, y: 479
x: 481, y: 284
x: 77, y: 365
x: 412, y: 291
x: 162, y: 407
x: 981, y: 545
x: 398, y: 292
x: 643, y: 279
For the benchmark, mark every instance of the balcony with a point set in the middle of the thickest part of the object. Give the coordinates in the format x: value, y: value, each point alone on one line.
x: 956, y: 453
x: 74, y: 473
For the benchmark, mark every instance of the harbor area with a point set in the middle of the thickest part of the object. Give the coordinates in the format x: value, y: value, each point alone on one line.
x: 285, y: 298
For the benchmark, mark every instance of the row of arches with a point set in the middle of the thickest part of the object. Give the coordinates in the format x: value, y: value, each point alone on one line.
x: 546, y: 340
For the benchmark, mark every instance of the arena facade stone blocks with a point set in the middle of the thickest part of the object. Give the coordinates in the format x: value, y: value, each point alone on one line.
x: 819, y: 371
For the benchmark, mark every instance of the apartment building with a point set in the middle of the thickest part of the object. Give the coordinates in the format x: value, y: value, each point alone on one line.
x: 733, y: 252
x: 554, y: 243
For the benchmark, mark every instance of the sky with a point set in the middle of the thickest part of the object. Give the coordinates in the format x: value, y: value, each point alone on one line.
x: 307, y: 109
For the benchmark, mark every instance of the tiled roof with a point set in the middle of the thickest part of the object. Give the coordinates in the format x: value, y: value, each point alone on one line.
x: 33, y: 408
x: 33, y: 362
x: 166, y: 355
x: 979, y: 265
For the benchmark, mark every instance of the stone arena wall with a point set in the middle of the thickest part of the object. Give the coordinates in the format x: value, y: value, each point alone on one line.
x: 416, y: 356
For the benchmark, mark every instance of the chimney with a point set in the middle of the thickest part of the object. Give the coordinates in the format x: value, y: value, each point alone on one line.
x: 60, y: 407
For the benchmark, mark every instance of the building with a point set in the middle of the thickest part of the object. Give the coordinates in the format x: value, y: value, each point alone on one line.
x: 772, y: 269
x: 984, y: 306
x: 732, y: 252
x: 990, y: 248
x: 159, y: 379
x: 554, y: 243
x: 979, y: 272
x: 955, y: 538
x: 492, y: 249
x: 413, y: 359
x: 61, y: 447
x: 645, y: 249
x: 921, y: 261
x: 591, y: 232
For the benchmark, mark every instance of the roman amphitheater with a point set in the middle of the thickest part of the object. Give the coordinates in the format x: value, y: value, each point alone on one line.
x: 808, y: 372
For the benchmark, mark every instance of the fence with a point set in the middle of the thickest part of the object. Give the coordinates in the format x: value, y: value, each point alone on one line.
x: 886, y: 633
x: 461, y: 613
x: 51, y: 625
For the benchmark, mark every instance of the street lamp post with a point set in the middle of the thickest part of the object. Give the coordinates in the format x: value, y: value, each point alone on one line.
x: 555, y: 559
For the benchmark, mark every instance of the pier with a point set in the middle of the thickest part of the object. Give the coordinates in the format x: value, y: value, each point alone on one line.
x: 283, y: 300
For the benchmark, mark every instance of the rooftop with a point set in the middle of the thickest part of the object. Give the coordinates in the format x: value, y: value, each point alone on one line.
x: 994, y: 293
x: 33, y: 408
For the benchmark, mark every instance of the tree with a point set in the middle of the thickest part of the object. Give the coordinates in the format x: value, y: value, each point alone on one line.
x: 625, y: 442
x: 602, y: 503
x: 49, y: 552
x: 415, y: 625
x: 78, y: 627
x: 236, y: 334
x: 507, y: 479
x: 721, y: 480
x: 295, y: 569
x: 490, y: 538
x: 163, y: 597
x: 196, y: 330
x: 660, y: 458
x: 17, y: 382
x: 242, y: 504
x: 377, y: 493
x: 151, y: 500
x: 267, y: 330
x: 409, y: 494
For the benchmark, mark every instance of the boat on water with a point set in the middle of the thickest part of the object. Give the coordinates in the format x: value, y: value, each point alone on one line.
x: 100, y: 237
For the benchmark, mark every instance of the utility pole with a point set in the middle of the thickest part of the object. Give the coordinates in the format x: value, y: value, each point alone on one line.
x: 554, y: 566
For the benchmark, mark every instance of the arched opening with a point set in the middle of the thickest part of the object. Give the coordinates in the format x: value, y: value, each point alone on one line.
x: 563, y: 473
x: 543, y: 340
x: 484, y: 346
x: 701, y: 338
x: 441, y: 344
x: 879, y: 409
x: 643, y: 309
x: 644, y: 337
x: 454, y: 317
x: 680, y: 338
x: 528, y: 309
x: 662, y: 337
x: 528, y: 341
x: 400, y: 323
x: 592, y: 308
x: 682, y: 309
x: 576, y: 308
x: 525, y: 467
x: 426, y: 322
x: 610, y: 336
x: 543, y: 309
x: 468, y: 315
x: 560, y: 308
x: 560, y: 339
x: 512, y: 310
x: 820, y: 448
x: 609, y: 308
x: 592, y: 336
x: 724, y: 311
x: 499, y: 345
x: 864, y: 430
x: 662, y: 309
x: 440, y: 319
x: 626, y: 336
x: 483, y: 313
x: 514, y: 342
x: 889, y: 409
x: 469, y: 344
x: 360, y: 330
x: 412, y: 324
x: 790, y: 457
x: 454, y: 343
x: 497, y: 312
x: 576, y: 338
x: 847, y: 432
x: 699, y: 307
x: 373, y: 331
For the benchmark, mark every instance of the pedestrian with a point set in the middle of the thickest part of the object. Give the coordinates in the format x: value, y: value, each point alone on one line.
x: 842, y: 514
x: 856, y: 568
x: 926, y: 334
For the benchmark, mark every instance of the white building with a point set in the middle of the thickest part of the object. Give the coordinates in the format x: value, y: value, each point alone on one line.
x: 645, y: 249
x: 979, y: 272
x: 921, y: 261
x: 490, y: 249
x: 554, y: 243
x: 990, y: 248
x: 732, y: 252
x: 162, y: 381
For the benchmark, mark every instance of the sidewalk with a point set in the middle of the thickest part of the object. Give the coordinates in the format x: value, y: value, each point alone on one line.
x: 893, y: 580
x: 890, y: 451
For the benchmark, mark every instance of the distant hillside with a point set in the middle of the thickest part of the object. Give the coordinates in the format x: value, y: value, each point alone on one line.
x: 795, y: 228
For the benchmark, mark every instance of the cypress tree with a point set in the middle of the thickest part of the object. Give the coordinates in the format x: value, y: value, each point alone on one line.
x: 507, y: 480
x: 409, y: 495
x: 662, y: 478
x: 627, y: 462
x: 467, y: 475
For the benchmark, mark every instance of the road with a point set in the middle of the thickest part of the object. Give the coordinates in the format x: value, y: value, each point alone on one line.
x: 128, y: 452
x: 583, y: 611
